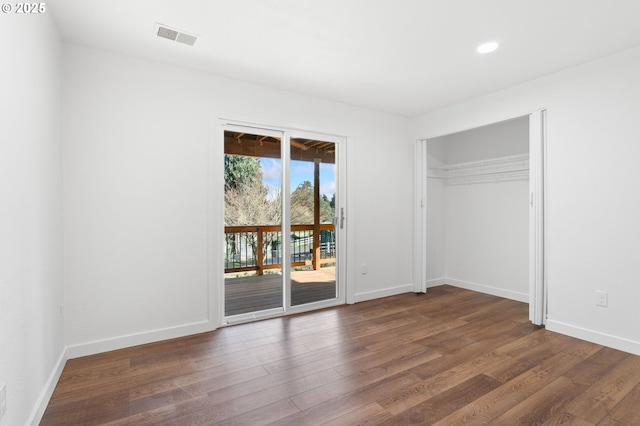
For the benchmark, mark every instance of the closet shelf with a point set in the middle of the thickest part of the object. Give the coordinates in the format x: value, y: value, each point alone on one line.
x: 514, y: 167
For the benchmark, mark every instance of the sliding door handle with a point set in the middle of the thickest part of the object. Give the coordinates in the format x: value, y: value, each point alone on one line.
x: 341, y: 218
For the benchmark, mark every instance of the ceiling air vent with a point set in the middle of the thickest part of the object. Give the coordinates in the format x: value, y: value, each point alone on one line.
x: 175, y: 35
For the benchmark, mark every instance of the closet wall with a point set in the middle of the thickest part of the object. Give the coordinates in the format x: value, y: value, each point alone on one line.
x: 478, y: 209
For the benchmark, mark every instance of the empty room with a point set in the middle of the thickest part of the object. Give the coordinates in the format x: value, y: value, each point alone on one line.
x: 298, y: 212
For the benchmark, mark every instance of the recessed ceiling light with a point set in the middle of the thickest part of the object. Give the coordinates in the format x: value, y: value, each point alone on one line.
x: 487, y: 47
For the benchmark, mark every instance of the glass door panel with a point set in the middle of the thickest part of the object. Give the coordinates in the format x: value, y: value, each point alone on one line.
x: 312, y: 208
x: 253, y: 280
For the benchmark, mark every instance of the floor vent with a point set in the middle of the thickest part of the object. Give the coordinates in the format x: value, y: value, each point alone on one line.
x: 175, y: 35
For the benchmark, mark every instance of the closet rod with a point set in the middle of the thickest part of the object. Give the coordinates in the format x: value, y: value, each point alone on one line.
x: 486, y: 163
x: 479, y: 174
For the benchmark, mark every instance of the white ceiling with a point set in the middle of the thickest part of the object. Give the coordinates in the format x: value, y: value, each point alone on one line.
x: 406, y: 57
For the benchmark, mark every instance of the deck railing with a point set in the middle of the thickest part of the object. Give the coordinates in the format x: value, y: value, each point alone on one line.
x: 258, y: 248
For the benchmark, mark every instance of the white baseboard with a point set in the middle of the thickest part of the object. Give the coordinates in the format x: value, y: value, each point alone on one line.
x: 494, y: 291
x: 436, y: 282
x: 43, y: 400
x: 376, y: 294
x: 98, y: 346
x: 105, y: 345
x: 614, y: 342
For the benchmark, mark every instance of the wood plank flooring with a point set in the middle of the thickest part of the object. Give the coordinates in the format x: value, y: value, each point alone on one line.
x: 451, y: 356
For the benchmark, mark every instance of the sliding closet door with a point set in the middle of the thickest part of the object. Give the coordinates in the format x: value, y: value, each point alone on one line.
x: 537, y: 287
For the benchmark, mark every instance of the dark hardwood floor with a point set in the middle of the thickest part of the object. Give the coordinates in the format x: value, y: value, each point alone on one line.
x: 451, y: 356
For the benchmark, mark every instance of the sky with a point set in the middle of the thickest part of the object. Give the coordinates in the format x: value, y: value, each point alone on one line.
x: 300, y: 171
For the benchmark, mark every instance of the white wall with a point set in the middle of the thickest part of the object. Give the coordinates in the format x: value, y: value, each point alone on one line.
x: 31, y: 283
x: 487, y: 237
x: 136, y: 187
x: 477, y: 234
x: 509, y: 137
x: 592, y: 176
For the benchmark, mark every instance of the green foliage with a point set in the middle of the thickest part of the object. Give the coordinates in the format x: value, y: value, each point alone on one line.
x: 327, y: 211
x: 239, y: 170
x: 248, y: 202
x: 302, y: 206
x: 246, y: 199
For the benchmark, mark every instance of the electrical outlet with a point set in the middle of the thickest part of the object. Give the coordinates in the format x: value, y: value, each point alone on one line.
x: 602, y: 298
x: 3, y: 400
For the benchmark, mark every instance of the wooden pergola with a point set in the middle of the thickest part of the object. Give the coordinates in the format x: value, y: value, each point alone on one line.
x: 315, y: 151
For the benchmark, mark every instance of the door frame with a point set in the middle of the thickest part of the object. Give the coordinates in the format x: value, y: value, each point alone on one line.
x: 216, y: 317
x: 537, y: 217
x: 538, y: 287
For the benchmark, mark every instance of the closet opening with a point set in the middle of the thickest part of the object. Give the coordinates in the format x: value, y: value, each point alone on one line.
x: 480, y: 211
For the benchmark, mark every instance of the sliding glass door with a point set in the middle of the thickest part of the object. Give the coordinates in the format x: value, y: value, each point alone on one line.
x: 312, y: 204
x: 252, y: 222
x: 281, y: 248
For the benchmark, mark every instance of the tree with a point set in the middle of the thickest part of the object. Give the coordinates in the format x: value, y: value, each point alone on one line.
x: 246, y: 197
x: 302, y: 205
x: 247, y: 202
x: 326, y: 211
x: 239, y: 169
x: 249, y: 205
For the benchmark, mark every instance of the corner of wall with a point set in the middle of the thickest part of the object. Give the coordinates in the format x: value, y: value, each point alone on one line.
x: 436, y: 282
x: 45, y: 396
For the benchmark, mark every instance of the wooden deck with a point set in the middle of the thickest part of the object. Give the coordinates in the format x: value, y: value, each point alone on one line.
x: 261, y: 292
